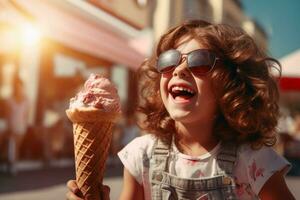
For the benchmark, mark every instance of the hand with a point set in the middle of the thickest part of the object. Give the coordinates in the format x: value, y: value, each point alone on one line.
x: 74, y: 192
x: 105, y: 192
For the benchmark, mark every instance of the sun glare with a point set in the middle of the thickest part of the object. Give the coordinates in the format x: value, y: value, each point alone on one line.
x: 30, y: 35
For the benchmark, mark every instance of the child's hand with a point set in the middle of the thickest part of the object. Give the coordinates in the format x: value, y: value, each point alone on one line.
x: 105, y: 192
x: 73, y: 193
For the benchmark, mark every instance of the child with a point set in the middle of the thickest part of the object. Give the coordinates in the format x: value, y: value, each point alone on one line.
x: 210, y: 103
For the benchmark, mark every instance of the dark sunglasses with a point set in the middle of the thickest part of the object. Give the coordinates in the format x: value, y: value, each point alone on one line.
x: 199, y: 61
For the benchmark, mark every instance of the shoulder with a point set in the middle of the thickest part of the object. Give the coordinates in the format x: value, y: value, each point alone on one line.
x: 136, y: 154
x: 265, y: 156
x: 145, y: 139
x: 259, y: 165
x: 247, y: 154
x: 141, y: 144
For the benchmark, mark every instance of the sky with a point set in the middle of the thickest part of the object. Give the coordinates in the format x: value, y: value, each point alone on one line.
x: 281, y: 20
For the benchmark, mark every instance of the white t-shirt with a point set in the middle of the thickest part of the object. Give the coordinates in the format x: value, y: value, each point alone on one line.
x: 253, y: 167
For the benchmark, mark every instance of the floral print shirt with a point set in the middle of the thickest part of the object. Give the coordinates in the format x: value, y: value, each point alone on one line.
x: 253, y: 167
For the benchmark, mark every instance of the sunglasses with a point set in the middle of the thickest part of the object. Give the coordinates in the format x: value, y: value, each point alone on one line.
x: 199, y: 61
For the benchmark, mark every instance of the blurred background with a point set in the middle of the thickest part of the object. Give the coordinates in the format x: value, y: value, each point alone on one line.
x: 49, y: 47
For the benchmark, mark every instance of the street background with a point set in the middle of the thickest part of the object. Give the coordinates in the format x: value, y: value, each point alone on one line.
x: 49, y: 48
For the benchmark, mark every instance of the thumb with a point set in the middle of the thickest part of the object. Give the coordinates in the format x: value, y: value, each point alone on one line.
x: 105, y: 190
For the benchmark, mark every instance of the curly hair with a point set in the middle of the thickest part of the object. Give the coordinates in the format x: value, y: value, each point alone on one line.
x: 244, y: 85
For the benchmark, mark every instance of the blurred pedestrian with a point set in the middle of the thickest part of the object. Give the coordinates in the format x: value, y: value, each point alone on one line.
x: 284, y: 129
x: 17, y: 117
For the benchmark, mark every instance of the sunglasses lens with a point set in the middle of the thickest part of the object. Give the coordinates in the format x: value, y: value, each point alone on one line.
x: 201, y: 61
x: 168, y: 60
x: 201, y: 69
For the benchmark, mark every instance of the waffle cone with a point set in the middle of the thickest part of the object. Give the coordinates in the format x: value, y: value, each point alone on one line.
x: 92, y: 131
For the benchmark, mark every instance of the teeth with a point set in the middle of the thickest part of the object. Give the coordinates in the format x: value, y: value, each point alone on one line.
x: 176, y: 88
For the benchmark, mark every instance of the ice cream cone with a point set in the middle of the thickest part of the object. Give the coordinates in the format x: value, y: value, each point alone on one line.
x: 92, y: 130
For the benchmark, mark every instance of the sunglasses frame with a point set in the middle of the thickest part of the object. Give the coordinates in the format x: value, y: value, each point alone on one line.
x: 186, y: 55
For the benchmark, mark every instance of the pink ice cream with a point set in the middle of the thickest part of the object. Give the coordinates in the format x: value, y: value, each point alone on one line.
x: 98, y: 92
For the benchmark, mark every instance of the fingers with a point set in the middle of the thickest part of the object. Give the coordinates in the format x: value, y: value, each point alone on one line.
x: 71, y: 184
x: 105, y: 192
x: 73, y: 190
x: 71, y: 196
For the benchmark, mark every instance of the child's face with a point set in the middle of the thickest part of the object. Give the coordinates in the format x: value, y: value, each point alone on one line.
x: 197, y: 108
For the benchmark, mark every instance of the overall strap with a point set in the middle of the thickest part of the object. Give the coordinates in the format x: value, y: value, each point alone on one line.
x: 226, y: 159
x: 158, y: 164
x: 160, y: 156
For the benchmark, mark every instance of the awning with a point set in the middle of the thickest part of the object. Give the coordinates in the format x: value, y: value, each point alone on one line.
x: 67, y: 24
x: 289, y: 84
x: 290, y: 80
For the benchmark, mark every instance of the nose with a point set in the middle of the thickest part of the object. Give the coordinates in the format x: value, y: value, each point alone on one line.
x: 182, y: 69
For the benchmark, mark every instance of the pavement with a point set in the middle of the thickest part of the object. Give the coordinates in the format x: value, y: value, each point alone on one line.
x: 58, y: 192
x: 50, y: 183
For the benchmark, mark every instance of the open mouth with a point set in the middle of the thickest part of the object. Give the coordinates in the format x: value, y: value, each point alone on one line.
x: 182, y: 92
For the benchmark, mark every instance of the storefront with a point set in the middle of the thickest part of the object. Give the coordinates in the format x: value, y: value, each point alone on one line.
x: 64, y: 44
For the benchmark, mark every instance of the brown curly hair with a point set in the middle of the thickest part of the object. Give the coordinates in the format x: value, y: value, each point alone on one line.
x: 246, y: 90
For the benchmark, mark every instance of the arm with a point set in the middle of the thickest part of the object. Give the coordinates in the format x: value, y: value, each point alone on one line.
x: 132, y: 190
x: 275, y: 188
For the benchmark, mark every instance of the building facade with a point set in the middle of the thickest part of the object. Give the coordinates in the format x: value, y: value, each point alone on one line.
x: 172, y: 12
x: 53, y: 46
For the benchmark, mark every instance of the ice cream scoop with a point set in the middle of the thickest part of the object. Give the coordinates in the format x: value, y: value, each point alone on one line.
x: 98, y: 92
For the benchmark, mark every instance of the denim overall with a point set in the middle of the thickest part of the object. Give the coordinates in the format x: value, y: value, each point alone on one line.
x: 165, y: 186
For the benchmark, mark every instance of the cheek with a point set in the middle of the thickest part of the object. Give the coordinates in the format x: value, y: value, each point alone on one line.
x: 163, y: 89
x: 205, y: 92
x: 163, y: 85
